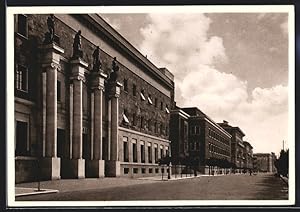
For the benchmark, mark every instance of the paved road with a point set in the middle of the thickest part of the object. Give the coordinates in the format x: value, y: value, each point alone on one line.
x: 231, y: 187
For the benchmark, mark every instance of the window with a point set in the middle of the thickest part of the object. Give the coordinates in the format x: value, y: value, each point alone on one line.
x: 142, y: 148
x: 167, y: 109
x: 135, y: 170
x: 197, y: 130
x: 126, y: 170
x: 22, y: 78
x: 134, y: 89
x: 161, y: 151
x: 156, y: 170
x: 143, y: 170
x: 161, y: 105
x: 149, y: 99
x: 155, y: 127
x: 197, y: 146
x: 155, y: 102
x: 125, y: 84
x: 22, y: 25
x: 142, y: 122
x: 125, y: 149
x: 22, y: 146
x: 167, y: 151
x: 149, y: 153
x: 149, y: 124
x: 134, y: 150
x: 125, y: 118
x: 155, y: 154
x: 58, y: 91
x: 150, y: 170
x: 134, y: 119
x: 143, y: 95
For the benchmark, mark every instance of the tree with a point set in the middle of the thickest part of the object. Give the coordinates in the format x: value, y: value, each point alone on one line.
x: 282, y: 163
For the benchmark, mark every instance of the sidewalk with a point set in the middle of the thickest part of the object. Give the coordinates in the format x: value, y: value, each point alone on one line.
x: 67, y: 185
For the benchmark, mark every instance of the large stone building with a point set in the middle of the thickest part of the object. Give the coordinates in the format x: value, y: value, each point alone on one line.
x: 237, y: 145
x: 248, y: 155
x: 197, y: 136
x: 80, y: 122
x: 264, y: 162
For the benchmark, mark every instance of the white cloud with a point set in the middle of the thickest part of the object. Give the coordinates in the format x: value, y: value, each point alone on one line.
x: 284, y: 27
x: 115, y: 23
x: 181, y: 43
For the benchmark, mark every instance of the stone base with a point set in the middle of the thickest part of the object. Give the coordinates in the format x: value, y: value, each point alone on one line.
x: 112, y: 168
x: 49, y: 168
x: 73, y: 168
x: 94, y: 168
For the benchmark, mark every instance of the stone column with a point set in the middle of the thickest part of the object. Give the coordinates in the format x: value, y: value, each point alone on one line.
x: 50, y: 163
x: 112, y: 166
x: 76, y: 164
x: 95, y: 167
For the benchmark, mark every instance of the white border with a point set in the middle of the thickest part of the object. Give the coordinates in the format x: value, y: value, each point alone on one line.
x: 140, y: 9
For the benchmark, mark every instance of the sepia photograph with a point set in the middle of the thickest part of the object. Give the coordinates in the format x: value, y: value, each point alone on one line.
x: 150, y: 106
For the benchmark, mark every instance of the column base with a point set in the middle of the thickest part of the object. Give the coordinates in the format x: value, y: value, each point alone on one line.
x: 112, y: 168
x: 73, y: 168
x: 95, y: 168
x: 49, y: 169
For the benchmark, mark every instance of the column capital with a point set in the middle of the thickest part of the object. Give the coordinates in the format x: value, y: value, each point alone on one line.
x: 79, y: 68
x: 51, y: 55
x: 114, y: 89
x: 97, y: 80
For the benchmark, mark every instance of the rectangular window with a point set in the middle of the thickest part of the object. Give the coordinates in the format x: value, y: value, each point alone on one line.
x: 135, y: 170
x: 161, y: 151
x: 143, y: 95
x: 134, y: 150
x: 125, y: 117
x: 126, y: 170
x: 58, y: 91
x: 125, y: 150
x: 134, y: 119
x: 156, y: 170
x: 22, y: 25
x: 149, y: 99
x: 142, y: 148
x: 155, y: 154
x: 149, y: 153
x: 142, y: 122
x: 161, y: 105
x: 22, y: 78
x: 134, y: 89
x: 125, y: 84
x: 143, y: 170
x: 150, y: 170
x: 22, y: 146
x: 197, y: 130
x: 149, y: 124
x: 155, y: 102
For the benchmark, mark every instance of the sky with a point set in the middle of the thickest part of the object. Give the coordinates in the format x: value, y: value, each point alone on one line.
x: 232, y: 66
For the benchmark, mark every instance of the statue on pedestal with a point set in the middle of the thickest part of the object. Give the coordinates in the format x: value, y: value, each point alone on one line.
x: 96, y: 60
x: 49, y: 36
x: 115, y: 73
x: 77, y: 52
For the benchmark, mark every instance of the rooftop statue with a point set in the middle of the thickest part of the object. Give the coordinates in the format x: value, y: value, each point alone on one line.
x: 77, y: 52
x: 96, y: 60
x: 49, y: 36
x: 115, y: 73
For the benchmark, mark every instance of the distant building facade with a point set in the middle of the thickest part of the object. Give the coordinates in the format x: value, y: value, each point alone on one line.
x: 264, y: 162
x: 78, y: 122
x: 248, y: 155
x: 239, y: 148
x: 198, y: 137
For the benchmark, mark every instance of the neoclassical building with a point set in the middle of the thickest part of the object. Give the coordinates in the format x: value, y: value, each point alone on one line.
x: 72, y: 121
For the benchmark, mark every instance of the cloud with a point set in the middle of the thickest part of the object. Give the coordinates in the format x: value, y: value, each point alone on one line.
x: 284, y: 27
x: 115, y: 23
x: 181, y: 43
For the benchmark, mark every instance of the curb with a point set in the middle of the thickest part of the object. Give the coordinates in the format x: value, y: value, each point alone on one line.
x: 35, y: 192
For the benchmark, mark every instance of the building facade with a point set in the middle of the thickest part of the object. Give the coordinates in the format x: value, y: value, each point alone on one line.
x: 198, y: 137
x: 248, y: 155
x: 74, y: 122
x: 237, y: 145
x: 264, y: 162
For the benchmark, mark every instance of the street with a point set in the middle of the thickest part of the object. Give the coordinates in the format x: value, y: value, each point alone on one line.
x: 225, y: 187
